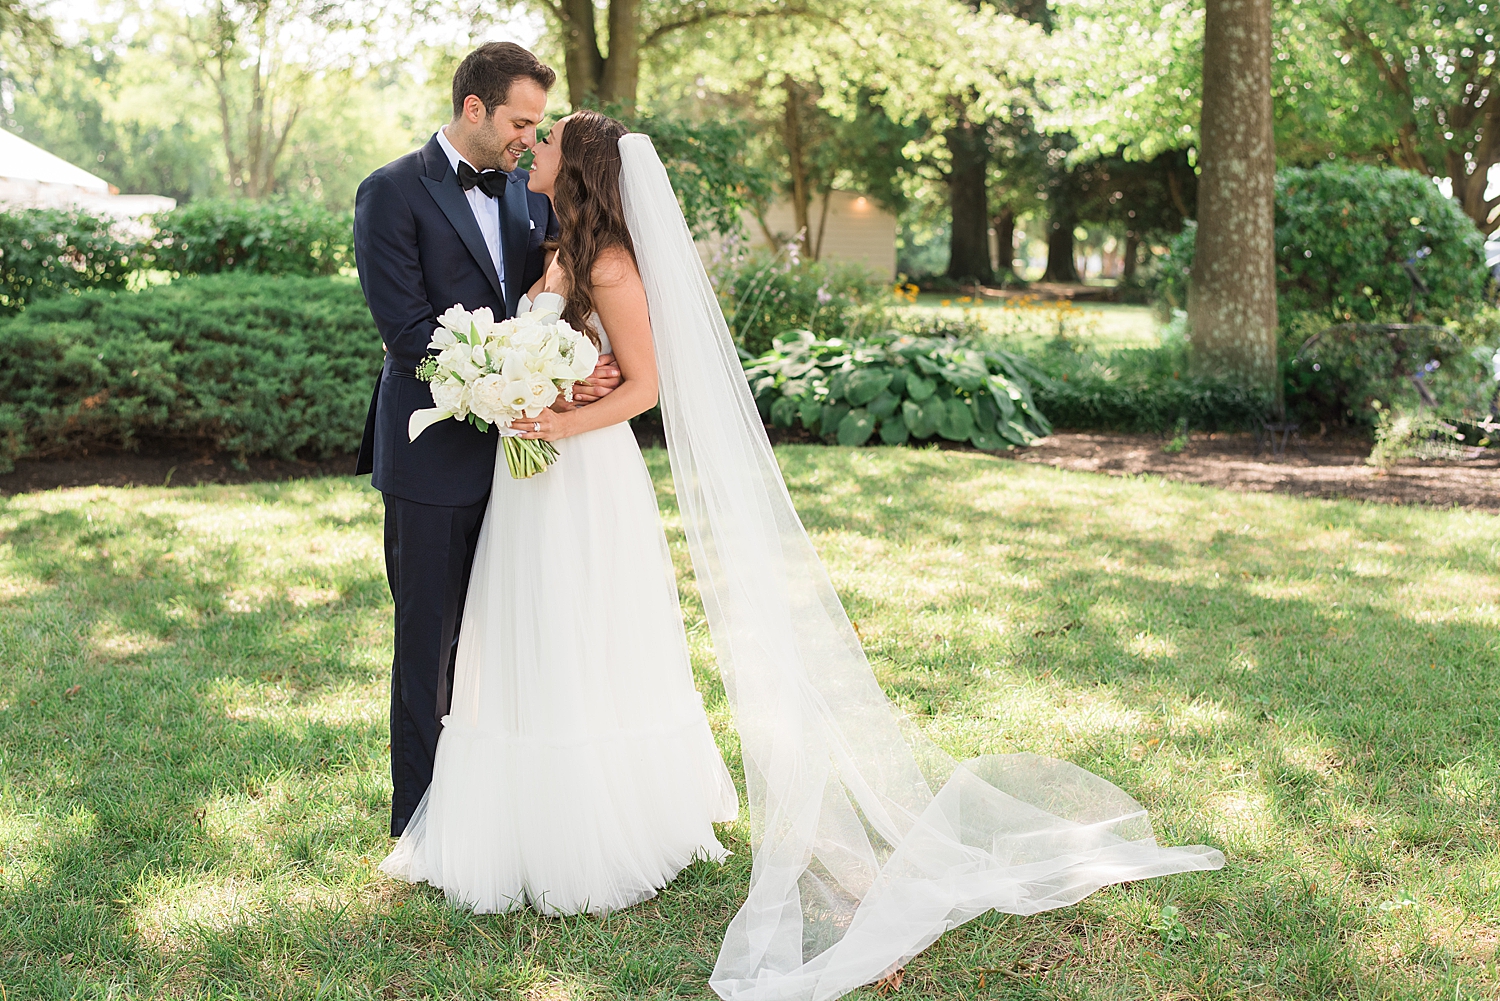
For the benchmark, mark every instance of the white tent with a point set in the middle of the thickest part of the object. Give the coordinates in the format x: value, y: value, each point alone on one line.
x: 30, y: 177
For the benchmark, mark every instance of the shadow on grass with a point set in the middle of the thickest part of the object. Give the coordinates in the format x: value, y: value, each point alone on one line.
x: 202, y: 817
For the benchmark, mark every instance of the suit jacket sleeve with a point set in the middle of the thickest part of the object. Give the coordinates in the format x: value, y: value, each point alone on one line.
x: 390, y: 272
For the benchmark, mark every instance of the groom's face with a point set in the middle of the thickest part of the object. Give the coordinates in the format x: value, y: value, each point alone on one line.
x: 500, y: 138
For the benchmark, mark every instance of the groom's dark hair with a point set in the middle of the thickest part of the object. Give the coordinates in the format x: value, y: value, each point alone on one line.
x: 489, y: 70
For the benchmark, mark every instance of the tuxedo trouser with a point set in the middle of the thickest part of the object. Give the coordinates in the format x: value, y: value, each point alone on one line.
x: 429, y: 552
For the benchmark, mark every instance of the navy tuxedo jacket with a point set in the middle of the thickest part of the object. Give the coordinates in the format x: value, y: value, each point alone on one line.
x: 419, y: 251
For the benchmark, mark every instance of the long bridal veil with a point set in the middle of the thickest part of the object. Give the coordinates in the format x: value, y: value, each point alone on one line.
x: 868, y: 841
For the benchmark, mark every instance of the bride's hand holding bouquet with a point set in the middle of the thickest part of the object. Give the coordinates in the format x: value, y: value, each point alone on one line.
x: 506, y: 373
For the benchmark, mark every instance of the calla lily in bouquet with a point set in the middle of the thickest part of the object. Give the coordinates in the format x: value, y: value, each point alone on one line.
x: 495, y: 372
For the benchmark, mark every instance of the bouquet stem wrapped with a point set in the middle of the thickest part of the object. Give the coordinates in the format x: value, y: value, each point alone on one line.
x: 487, y: 372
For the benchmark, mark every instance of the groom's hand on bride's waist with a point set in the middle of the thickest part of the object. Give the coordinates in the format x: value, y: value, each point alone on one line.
x: 604, y: 380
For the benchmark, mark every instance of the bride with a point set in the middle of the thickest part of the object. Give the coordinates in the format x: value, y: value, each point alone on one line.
x: 576, y: 771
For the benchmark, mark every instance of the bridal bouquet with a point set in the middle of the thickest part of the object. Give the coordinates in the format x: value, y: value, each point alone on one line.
x: 494, y: 373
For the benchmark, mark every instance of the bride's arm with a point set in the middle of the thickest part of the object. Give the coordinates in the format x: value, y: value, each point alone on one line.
x: 620, y: 299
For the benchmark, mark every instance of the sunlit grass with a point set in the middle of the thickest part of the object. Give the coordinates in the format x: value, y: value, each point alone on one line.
x: 193, y: 790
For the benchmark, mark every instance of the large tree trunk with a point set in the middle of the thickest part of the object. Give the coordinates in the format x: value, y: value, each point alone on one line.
x: 582, y: 60
x: 1232, y: 291
x: 1005, y: 246
x: 968, y: 197
x: 1062, y: 265
x: 1132, y: 254
x: 622, y: 69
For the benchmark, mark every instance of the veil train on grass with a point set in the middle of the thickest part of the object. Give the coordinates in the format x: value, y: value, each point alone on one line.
x: 868, y: 840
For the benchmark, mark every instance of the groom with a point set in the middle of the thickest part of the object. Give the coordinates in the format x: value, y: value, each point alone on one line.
x: 452, y: 223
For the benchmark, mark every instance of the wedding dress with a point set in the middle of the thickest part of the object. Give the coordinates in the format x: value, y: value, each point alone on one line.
x: 868, y: 840
x: 575, y: 770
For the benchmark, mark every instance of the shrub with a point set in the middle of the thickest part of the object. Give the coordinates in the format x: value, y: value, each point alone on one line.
x: 765, y: 295
x: 251, y: 365
x: 900, y: 387
x: 1345, y: 236
x: 1139, y: 389
x: 45, y: 252
x: 1336, y: 374
x: 274, y: 238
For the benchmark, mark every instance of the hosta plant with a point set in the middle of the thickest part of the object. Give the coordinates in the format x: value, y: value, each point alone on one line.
x: 897, y: 388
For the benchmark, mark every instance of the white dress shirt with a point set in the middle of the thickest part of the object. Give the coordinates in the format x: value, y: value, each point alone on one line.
x: 486, y: 209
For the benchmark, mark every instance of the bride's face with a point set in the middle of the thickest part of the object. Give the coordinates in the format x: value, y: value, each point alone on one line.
x: 548, y: 155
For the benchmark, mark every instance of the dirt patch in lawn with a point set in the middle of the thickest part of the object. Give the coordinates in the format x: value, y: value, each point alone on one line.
x: 1331, y: 467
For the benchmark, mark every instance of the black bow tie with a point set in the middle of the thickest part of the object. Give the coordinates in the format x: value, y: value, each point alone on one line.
x: 491, y: 182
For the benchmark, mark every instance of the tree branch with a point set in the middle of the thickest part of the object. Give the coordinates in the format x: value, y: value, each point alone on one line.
x: 706, y: 16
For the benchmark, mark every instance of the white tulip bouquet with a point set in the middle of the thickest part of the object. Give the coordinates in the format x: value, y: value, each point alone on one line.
x: 488, y: 372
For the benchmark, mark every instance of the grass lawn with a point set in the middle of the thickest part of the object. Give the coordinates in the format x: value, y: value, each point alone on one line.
x: 193, y: 786
x: 1105, y: 326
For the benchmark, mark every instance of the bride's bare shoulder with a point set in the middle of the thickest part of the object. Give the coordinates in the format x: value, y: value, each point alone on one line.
x: 615, y: 266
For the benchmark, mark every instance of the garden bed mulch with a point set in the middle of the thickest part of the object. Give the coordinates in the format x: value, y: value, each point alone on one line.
x: 154, y: 468
x: 1332, y: 468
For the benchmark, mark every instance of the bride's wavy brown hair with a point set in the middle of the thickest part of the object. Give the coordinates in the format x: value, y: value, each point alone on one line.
x: 590, y: 216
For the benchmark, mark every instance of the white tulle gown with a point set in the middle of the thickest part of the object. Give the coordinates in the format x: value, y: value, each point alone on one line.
x: 575, y: 771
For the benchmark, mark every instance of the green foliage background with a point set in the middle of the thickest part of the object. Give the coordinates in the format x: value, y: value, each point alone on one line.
x: 280, y: 237
x: 247, y: 364
x: 44, y: 252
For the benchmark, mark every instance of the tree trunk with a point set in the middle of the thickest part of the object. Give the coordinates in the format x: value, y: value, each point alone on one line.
x: 1005, y: 246
x: 581, y: 57
x: 1132, y: 252
x: 1471, y: 178
x: 622, y: 68
x: 1062, y: 266
x: 968, y: 198
x: 791, y: 135
x: 1232, y: 290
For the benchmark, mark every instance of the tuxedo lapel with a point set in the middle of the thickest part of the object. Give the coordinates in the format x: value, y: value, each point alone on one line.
x: 515, y: 227
x: 450, y: 198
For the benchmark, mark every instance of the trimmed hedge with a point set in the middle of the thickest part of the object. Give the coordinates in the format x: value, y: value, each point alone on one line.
x: 269, y: 238
x: 46, y: 252
x: 249, y: 364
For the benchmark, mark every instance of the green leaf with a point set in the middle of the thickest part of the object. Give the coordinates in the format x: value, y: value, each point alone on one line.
x: 931, y: 413
x: 811, y: 413
x: 856, y: 428
x: 987, y: 440
x: 836, y: 386
x: 965, y: 377
x: 985, y: 412
x: 893, y: 431
x: 833, y: 414
x: 864, y: 385
x: 1000, y: 392
x: 883, y: 405
x: 919, y: 388
x: 784, y: 411
x: 911, y: 415
x: 898, y: 381
x: 957, y: 420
